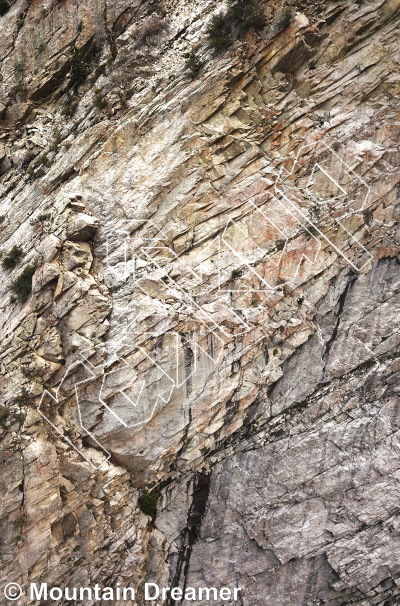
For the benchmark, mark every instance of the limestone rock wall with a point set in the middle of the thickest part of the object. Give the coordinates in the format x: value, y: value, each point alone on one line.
x: 214, y: 308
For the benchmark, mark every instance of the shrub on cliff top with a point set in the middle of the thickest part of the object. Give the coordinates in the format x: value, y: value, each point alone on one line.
x: 241, y: 16
x: 4, y: 7
x: 219, y: 32
x: 22, y: 286
x: 23, y: 399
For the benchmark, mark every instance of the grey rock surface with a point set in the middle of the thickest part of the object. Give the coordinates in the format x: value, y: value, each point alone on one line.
x: 200, y: 301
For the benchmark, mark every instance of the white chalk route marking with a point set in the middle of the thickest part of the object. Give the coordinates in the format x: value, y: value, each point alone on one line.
x: 55, y: 398
x: 296, y: 208
x: 102, y: 398
x: 269, y: 288
x: 140, y: 243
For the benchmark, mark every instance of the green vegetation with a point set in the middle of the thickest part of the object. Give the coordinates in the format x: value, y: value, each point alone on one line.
x: 245, y: 16
x: 79, y: 69
x: 158, y: 8
x: 13, y: 258
x: 285, y: 17
x: 18, y: 523
x: 68, y: 109
x: 99, y: 99
x: 22, y: 286
x: 4, y: 414
x: 4, y: 7
x: 123, y: 100
x: 241, y: 16
x: 20, y: 89
x: 41, y: 219
x: 23, y: 399
x: 236, y: 274
x: 20, y: 418
x: 219, y: 32
x: 193, y: 64
x: 36, y: 168
x: 42, y: 159
x: 18, y: 66
x: 20, y: 20
x: 55, y: 143
x: 70, y: 105
x: 148, y: 502
x: 99, y: 71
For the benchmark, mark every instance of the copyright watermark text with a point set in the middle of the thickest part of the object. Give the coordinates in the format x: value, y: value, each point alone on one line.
x: 13, y: 591
x: 150, y: 591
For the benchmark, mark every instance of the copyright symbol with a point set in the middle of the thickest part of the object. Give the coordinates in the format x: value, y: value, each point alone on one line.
x: 13, y: 591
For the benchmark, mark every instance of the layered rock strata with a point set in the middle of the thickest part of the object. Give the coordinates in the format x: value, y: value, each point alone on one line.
x: 214, y: 309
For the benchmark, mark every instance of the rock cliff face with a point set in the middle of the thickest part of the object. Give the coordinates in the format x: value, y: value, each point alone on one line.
x: 200, y: 300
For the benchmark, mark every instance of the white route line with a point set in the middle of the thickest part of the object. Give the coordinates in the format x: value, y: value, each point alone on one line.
x: 186, y: 295
x: 159, y: 397
x: 174, y: 381
x: 329, y: 177
x: 268, y: 287
x: 357, y: 177
x: 146, y: 248
x: 75, y: 365
x: 308, y: 220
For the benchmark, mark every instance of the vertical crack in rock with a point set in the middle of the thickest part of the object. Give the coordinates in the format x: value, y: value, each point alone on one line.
x: 188, y: 363
x: 301, y: 431
x: 174, y: 464
x: 190, y: 534
x: 338, y: 314
x: 109, y: 34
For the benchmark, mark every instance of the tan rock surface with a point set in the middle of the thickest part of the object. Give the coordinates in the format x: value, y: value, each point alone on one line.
x: 215, y: 307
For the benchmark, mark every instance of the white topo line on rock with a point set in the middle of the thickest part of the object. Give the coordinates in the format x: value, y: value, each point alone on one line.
x: 148, y: 247
x: 283, y: 173
x: 55, y: 398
